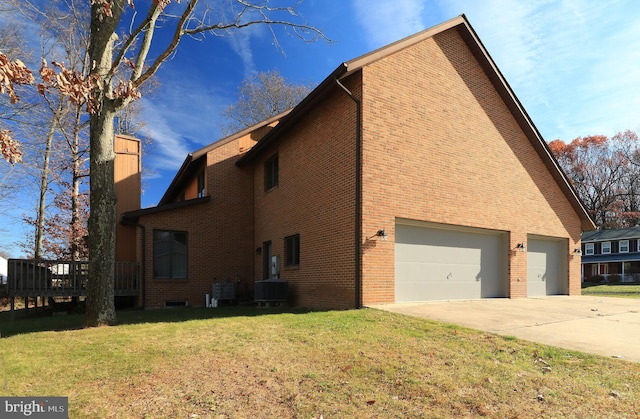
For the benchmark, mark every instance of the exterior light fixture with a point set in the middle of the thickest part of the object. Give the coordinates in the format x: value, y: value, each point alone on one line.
x: 520, y: 247
x: 577, y: 251
x: 383, y: 234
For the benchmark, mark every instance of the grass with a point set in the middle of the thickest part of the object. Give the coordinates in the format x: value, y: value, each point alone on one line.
x: 268, y: 363
x: 615, y: 290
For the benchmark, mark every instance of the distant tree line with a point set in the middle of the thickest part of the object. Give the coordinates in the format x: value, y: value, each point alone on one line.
x: 605, y: 172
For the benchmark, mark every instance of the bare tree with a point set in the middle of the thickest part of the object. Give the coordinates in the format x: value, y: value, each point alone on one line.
x: 107, y: 89
x: 63, y: 28
x: 260, y: 97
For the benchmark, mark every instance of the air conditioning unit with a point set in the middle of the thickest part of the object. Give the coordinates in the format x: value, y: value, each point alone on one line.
x: 224, y: 291
x: 271, y: 291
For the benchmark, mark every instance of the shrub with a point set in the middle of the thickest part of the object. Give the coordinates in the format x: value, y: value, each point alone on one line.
x: 614, y: 279
x: 595, y: 279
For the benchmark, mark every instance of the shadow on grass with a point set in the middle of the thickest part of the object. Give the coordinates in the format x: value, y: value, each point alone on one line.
x: 41, y: 322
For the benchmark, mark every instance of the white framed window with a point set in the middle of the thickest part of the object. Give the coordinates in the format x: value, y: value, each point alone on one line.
x: 588, y: 249
x: 606, y: 248
x: 623, y: 246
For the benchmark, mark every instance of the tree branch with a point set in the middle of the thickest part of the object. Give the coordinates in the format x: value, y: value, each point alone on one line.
x: 177, y: 36
x: 152, y: 15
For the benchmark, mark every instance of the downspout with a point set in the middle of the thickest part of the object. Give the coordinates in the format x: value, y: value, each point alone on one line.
x: 358, y: 206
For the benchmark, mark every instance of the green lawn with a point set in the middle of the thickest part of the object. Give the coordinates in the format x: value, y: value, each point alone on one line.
x: 612, y: 290
x: 266, y: 363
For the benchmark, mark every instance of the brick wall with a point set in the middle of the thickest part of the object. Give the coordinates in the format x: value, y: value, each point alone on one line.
x: 220, y: 233
x: 315, y: 198
x: 441, y: 146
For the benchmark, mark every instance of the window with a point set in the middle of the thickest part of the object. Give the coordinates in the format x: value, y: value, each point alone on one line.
x: 267, y: 253
x: 271, y: 172
x: 606, y: 247
x: 169, y: 254
x: 588, y: 249
x: 201, y: 189
x: 624, y: 246
x: 292, y: 250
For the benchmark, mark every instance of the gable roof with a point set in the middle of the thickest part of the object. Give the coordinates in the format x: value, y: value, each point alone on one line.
x: 191, y: 162
x: 607, y: 235
x: 468, y: 34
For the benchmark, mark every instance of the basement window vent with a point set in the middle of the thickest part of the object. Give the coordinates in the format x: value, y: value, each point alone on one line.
x: 171, y: 304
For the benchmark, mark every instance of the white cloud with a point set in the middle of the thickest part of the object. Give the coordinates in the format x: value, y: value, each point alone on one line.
x: 240, y: 42
x: 182, y: 116
x: 573, y: 63
x: 169, y: 147
x: 388, y: 21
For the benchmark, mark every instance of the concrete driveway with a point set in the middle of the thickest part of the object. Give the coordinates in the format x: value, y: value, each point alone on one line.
x: 599, y: 325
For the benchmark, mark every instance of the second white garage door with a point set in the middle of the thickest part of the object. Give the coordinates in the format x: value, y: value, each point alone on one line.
x: 434, y: 263
x: 546, y: 266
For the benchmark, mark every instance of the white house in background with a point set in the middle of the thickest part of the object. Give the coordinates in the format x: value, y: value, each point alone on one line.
x: 3, y: 270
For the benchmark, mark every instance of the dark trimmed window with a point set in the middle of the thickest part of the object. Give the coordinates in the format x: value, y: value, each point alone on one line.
x: 271, y: 172
x: 201, y: 189
x: 292, y: 250
x: 169, y: 254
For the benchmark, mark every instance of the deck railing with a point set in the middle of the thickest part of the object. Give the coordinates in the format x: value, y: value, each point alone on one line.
x: 47, y: 278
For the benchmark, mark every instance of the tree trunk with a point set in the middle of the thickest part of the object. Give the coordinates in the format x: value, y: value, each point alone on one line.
x: 44, y: 186
x: 102, y: 223
x: 102, y: 219
x: 75, y: 187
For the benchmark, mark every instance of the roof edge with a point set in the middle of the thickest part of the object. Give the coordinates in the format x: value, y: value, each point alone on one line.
x: 242, y: 133
x: 542, y: 147
x: 195, y: 155
x: 131, y: 217
x: 389, y: 49
x: 289, y: 119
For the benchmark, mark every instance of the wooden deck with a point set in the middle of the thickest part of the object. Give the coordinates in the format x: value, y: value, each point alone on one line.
x: 30, y: 278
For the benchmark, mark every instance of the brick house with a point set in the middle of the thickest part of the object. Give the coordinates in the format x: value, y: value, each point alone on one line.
x: 410, y: 173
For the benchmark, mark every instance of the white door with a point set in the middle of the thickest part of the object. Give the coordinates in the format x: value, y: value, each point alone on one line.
x: 546, y: 266
x: 433, y: 263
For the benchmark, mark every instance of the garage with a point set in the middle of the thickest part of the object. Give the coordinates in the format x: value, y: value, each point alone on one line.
x: 547, y: 272
x: 436, y: 262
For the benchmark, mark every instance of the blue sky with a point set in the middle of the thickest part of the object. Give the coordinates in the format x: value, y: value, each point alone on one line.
x: 574, y: 65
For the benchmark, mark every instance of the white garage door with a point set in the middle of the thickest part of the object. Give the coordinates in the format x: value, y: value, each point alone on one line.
x: 546, y: 266
x: 433, y: 263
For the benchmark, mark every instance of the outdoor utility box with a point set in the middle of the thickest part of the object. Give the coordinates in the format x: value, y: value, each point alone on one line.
x: 224, y: 291
x: 271, y: 291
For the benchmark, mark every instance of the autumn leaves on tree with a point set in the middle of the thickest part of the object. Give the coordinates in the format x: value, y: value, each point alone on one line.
x: 605, y: 173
